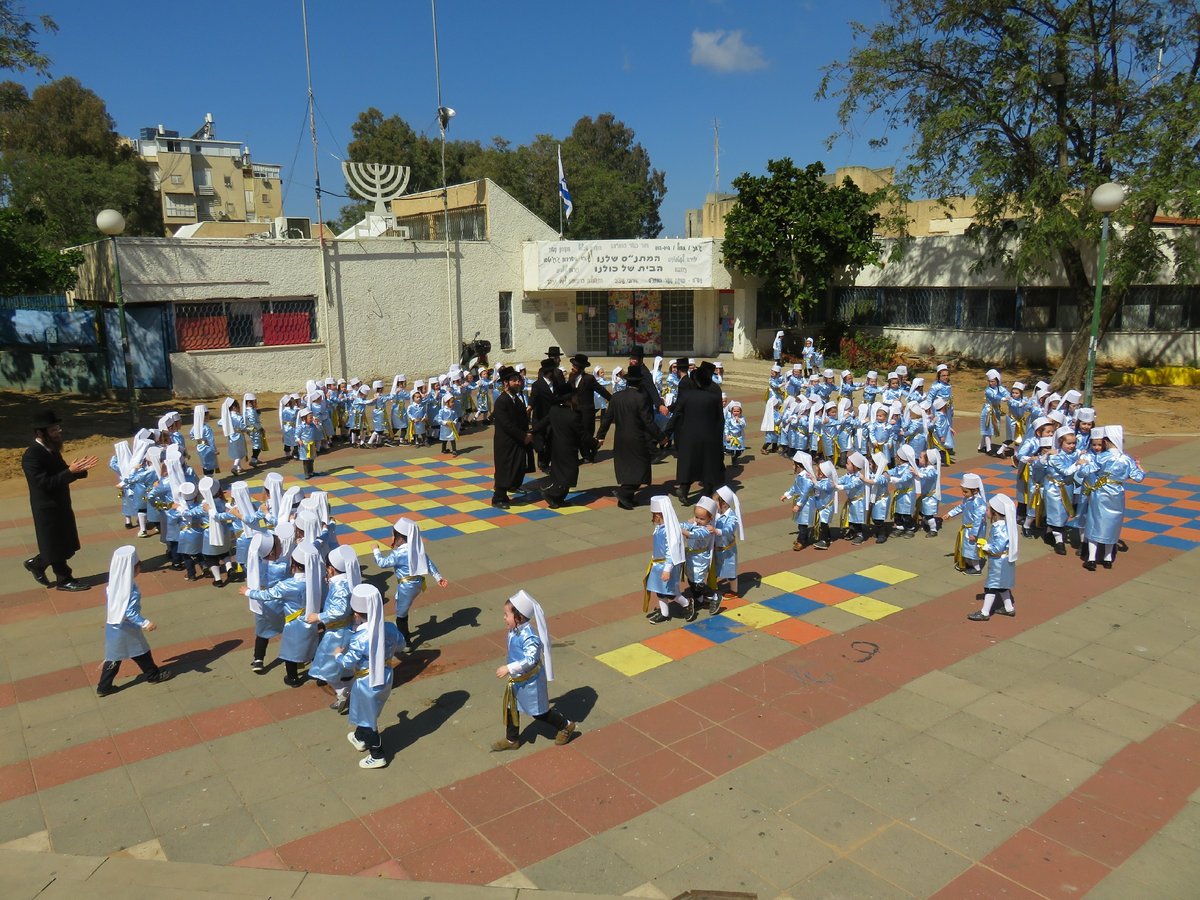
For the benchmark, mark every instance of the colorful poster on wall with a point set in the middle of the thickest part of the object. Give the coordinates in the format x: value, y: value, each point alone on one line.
x: 620, y: 322
x: 725, y: 336
x: 647, y: 309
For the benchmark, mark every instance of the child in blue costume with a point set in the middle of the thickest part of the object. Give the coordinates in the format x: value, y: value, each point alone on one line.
x: 847, y: 429
x: 929, y: 492
x: 846, y: 387
x: 699, y: 544
x: 217, y: 543
x: 308, y: 436
x: 808, y: 354
x: 448, y: 421
x: 667, y: 555
x: 893, y: 392
x: 1058, y: 487
x: 855, y: 508
x: 412, y: 566
x: 880, y: 437
x: 526, y: 673
x: 377, y: 406
x: 289, y: 407
x: 878, y: 484
x: 973, y: 510
x: 872, y: 391
x: 399, y: 412
x: 255, y: 433
x: 139, y: 479
x: 903, y: 481
x: 193, y: 522
x: 336, y: 624
x: 416, y: 414
x: 796, y: 382
x: 800, y: 495
x: 125, y: 624
x: 1025, y: 455
x: 1000, y: 547
x: 368, y: 659
x: 1019, y: 408
x: 158, y: 495
x: 1104, y: 473
x: 941, y: 431
x: 264, y: 569
x: 233, y: 426
x: 825, y: 502
x: 295, y: 598
x: 770, y: 425
x: 941, y: 387
x: 730, y: 530
x: 734, y: 436
x: 991, y: 415
x: 251, y: 518
x: 202, y: 435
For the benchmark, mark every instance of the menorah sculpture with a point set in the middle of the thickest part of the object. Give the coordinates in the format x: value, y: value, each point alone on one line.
x: 376, y: 181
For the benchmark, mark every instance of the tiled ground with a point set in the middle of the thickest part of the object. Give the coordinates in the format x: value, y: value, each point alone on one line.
x: 840, y: 729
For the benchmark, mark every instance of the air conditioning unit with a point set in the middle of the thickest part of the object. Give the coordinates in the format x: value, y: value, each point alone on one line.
x: 289, y: 227
x: 402, y: 232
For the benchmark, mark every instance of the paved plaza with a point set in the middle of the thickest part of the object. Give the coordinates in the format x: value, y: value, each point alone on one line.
x: 839, y: 730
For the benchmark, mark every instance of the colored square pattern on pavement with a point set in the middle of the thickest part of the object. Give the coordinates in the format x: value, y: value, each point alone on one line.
x: 781, y: 615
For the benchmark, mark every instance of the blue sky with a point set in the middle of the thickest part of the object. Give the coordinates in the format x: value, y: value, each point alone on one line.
x: 667, y: 68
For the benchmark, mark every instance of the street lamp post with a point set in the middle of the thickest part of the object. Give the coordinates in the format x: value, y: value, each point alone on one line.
x: 112, y: 223
x: 1105, y: 200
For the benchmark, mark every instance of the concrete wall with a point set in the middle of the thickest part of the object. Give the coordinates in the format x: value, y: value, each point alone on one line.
x: 67, y: 372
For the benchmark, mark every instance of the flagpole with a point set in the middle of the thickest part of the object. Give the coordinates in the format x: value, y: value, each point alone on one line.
x: 558, y: 190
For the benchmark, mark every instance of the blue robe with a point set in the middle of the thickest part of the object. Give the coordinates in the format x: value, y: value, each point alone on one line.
x: 854, y: 509
x: 991, y: 414
x: 268, y: 623
x: 192, y: 528
x: 734, y: 436
x: 656, y: 581
x: 127, y: 639
x: 1025, y: 456
x: 974, y: 513
x: 339, y: 627
x: 801, y: 494
x: 1001, y: 572
x: 236, y: 442
x: 287, y: 599
x: 133, y: 490
x: 206, y: 450
x: 927, y: 502
x: 289, y: 427
x: 1058, y: 487
x: 366, y: 702
x: 254, y: 429
x: 903, y: 490
x: 698, y: 556
x: 725, y: 553
x: 408, y: 586
x: 1104, y: 480
x: 525, y: 657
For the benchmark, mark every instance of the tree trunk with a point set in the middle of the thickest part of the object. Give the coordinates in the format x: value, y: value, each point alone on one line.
x: 1073, y: 368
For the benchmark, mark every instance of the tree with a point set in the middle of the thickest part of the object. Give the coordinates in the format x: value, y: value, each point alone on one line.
x: 797, y: 233
x: 18, y: 45
x: 1029, y: 107
x: 28, y: 265
x: 61, y: 155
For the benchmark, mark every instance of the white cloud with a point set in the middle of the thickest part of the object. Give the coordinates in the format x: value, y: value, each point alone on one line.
x: 725, y: 51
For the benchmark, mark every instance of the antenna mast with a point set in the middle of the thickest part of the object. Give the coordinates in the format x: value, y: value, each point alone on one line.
x: 717, y: 151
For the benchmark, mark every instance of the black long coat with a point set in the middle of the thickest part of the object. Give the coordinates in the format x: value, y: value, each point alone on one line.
x: 513, y: 457
x: 633, y: 445
x: 49, y: 480
x: 565, y: 432
x: 698, y: 425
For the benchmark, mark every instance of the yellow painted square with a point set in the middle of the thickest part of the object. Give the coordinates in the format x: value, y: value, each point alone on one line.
x: 458, y: 462
x: 464, y: 488
x: 368, y: 524
x: 868, y: 607
x: 470, y: 506
x: 788, y: 581
x: 475, y: 526
x: 633, y: 659
x: 377, y: 503
x: 419, y: 461
x: 756, y: 616
x: 888, y: 574
x: 375, y: 487
x: 570, y: 510
x: 422, y: 488
x: 418, y: 505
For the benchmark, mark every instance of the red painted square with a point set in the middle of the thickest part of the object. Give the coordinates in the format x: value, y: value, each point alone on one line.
x: 155, y: 740
x: 488, y: 795
x: 76, y: 762
x: 616, y: 744
x: 1187, y: 504
x: 768, y: 727
x: 1046, y: 866
x: 1167, y: 762
x: 717, y: 750
x: 1145, y: 506
x: 236, y: 717
x: 264, y: 859
x: 678, y: 643
x: 796, y: 631
x: 663, y: 775
x: 719, y: 701
x: 602, y: 803
x: 818, y: 706
x: 978, y: 883
x: 762, y: 682
x: 1135, y: 535
x: 287, y: 704
x: 1190, y: 717
x: 1173, y: 492
x: 1091, y: 830
x: 386, y: 869
x: 28, y: 689
x: 1165, y: 519
x: 16, y: 780
x: 466, y: 858
x: 668, y: 722
x: 1141, y: 802
x: 534, y: 833
x: 341, y: 850
x: 555, y: 769
x: 415, y: 823
x: 826, y: 593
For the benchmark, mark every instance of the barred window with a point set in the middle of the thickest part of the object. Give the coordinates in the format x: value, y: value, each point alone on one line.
x: 677, y: 321
x: 591, y: 317
x: 245, y: 323
x: 506, y: 332
x: 181, y: 205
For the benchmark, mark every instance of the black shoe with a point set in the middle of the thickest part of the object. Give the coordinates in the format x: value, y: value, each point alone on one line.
x: 657, y: 618
x: 105, y: 692
x: 1107, y: 563
x: 714, y: 604
x: 1060, y: 549
x: 623, y: 505
x: 73, y: 585
x: 857, y: 539
x: 1089, y: 565
x: 257, y: 667
x: 1122, y: 546
x: 293, y: 682
x: 693, y: 611
x: 552, y: 503
x: 1005, y: 612
x: 160, y: 676
x: 501, y: 504
x: 822, y: 544
x: 978, y: 617
x: 39, y: 575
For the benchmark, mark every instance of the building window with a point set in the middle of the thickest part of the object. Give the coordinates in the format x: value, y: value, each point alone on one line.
x: 591, y: 316
x: 176, y: 179
x: 677, y: 322
x: 266, y: 199
x: 245, y: 323
x: 181, y: 206
x: 228, y: 181
x: 506, y: 331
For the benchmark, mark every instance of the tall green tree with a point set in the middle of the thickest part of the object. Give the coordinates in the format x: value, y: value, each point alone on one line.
x: 18, y: 39
x: 28, y: 264
x: 60, y: 155
x: 1029, y: 106
x: 798, y: 233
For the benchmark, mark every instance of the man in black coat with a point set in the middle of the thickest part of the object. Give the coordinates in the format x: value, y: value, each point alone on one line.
x: 562, y: 426
x: 511, y: 439
x: 633, y: 445
x: 698, y: 423
x: 586, y: 387
x: 637, y: 357
x: 49, y: 477
x: 541, y: 398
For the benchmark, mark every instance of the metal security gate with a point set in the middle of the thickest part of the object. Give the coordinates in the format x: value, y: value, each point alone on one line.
x: 149, y: 340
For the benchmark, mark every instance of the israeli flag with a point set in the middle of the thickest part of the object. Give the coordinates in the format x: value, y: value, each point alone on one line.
x: 562, y: 187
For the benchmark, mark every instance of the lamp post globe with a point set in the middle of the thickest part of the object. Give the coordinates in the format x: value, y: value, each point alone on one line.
x: 110, y: 222
x: 1108, y: 197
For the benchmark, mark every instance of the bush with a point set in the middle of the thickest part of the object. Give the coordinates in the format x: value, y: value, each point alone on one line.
x: 859, y: 352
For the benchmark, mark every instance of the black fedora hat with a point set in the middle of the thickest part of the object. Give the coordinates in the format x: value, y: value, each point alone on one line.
x: 638, y: 352
x: 45, y: 417
x: 580, y: 361
x: 554, y: 352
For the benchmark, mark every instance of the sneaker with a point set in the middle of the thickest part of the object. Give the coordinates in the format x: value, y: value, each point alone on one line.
x: 372, y: 762
x: 796, y: 545
x: 1006, y: 612
x: 293, y: 682
x: 342, y: 706
x: 857, y: 539
x: 1090, y: 566
x: 657, y: 618
x: 160, y: 676
x: 714, y: 604
x: 978, y: 617
x: 257, y: 667
x: 356, y: 743
x: 144, y: 533
x: 501, y: 746
x: 693, y: 611
x: 822, y: 544
x: 564, y: 736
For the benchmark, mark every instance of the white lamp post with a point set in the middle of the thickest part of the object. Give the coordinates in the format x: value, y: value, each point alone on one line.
x: 1106, y: 199
x: 112, y: 223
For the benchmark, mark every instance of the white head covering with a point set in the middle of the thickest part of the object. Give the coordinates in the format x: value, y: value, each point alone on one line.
x: 395, y: 384
x: 675, y: 550
x: 779, y: 334
x: 287, y: 503
x: 942, y: 367
x: 726, y: 493
x: 709, y: 505
x: 1097, y: 433
x: 239, y: 491
x: 1018, y: 386
x: 307, y: 523
x: 286, y: 532
x: 775, y: 370
x: 936, y: 462
x: 918, y: 382
x: 908, y: 454
x: 1061, y: 433
x: 1085, y: 414
x: 768, y: 419
x: 321, y: 500
x: 261, y: 546
x: 829, y: 470
x: 1115, y: 434
x: 1057, y: 418
x: 124, y: 458
x: 164, y: 421
x: 1003, y: 504
x: 345, y: 560
x: 209, y: 488
x: 366, y: 599
x: 806, y: 461
x: 227, y: 416
x: 939, y: 403
x: 418, y: 562
x: 796, y: 367
x: 857, y: 460
x: 532, y: 610
x: 896, y: 408
x: 120, y: 582
x: 973, y: 481
x: 198, y: 414
x: 274, y: 486
x: 307, y: 555
x: 1072, y: 397
x: 993, y: 375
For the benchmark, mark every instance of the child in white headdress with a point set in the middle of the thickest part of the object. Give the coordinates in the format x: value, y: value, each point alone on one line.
x: 1104, y: 472
x: 295, y: 598
x: 1000, y: 547
x: 1058, y: 487
x: 777, y: 347
x: 699, y: 541
x: 216, y: 545
x: 343, y: 575
x: 526, y: 673
x: 308, y: 438
x: 411, y: 565
x: 856, y: 504
x: 202, y: 436
x: 730, y: 530
x: 929, y: 491
x: 289, y: 407
x: 667, y: 554
x: 992, y: 413
x: 233, y: 426
x: 800, y: 495
x: 125, y: 624
x: 368, y: 660
x: 255, y: 433
x: 734, y: 436
x: 266, y: 565
x: 973, y: 510
x: 771, y: 425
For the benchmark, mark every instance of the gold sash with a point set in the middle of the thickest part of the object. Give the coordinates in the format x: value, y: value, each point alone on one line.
x: 292, y: 617
x: 508, y: 710
x: 646, y: 584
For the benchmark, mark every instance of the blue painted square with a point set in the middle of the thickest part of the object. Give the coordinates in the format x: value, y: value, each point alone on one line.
x: 538, y: 513
x: 860, y: 584
x: 394, y: 492
x: 436, y: 534
x: 793, y: 604
x: 1166, y: 540
x: 717, y: 629
x: 1192, y: 526
x: 490, y: 513
x: 1156, y: 527
x: 438, y: 495
x: 384, y: 533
